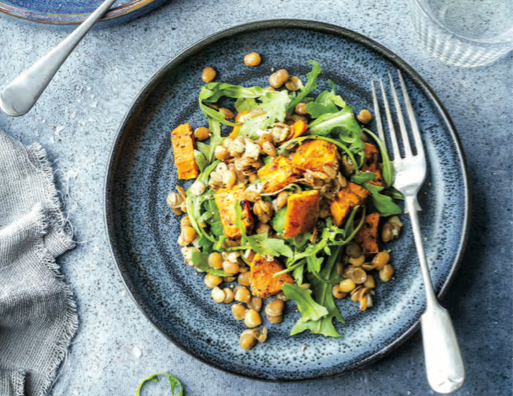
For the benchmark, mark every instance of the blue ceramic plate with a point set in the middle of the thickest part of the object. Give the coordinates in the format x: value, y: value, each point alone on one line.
x: 72, y: 12
x: 143, y: 231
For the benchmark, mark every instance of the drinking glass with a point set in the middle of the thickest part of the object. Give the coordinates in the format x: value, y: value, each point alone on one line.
x: 466, y: 33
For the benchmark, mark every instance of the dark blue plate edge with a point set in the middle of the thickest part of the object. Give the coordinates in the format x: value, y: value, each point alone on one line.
x: 114, y: 16
x: 271, y: 24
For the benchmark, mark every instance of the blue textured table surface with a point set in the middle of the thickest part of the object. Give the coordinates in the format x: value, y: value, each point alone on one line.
x: 76, y: 119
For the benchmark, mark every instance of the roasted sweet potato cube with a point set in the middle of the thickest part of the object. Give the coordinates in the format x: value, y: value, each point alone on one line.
x: 278, y: 173
x: 225, y: 201
x: 302, y: 213
x: 346, y: 199
x: 371, y: 163
x: 183, y: 148
x: 263, y: 284
x: 313, y: 154
x: 367, y: 235
x: 371, y: 160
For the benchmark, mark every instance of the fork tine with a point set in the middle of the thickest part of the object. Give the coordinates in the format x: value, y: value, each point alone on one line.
x: 393, y: 136
x: 377, y: 114
x: 402, y: 127
x: 411, y: 115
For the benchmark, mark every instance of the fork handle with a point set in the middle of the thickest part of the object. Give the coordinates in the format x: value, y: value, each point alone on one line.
x: 17, y: 98
x: 444, y: 364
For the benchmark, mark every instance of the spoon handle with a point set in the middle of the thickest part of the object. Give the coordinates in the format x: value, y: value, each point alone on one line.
x: 17, y: 98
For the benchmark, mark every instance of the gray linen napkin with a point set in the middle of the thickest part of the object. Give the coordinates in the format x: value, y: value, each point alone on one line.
x: 37, y: 312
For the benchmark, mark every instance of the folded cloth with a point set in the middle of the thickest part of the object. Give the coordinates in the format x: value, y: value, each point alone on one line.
x: 37, y: 313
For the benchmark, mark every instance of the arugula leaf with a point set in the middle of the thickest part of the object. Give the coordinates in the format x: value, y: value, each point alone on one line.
x: 173, y: 383
x: 245, y: 104
x: 263, y: 245
x: 200, y: 261
x: 310, y: 310
x: 298, y: 273
x: 393, y: 193
x: 323, y: 295
x: 212, y: 92
x: 383, y: 203
x: 215, y: 139
x: 349, y: 228
x: 200, y: 159
x: 194, y: 202
x: 388, y: 169
x: 217, y: 228
x: 208, y: 150
x: 206, y: 244
x: 214, y: 115
x: 314, y: 263
x: 275, y: 106
x: 301, y: 240
x: 326, y: 102
x: 363, y: 177
x: 310, y: 86
x: 278, y: 221
x: 342, y: 125
x: 239, y: 224
x: 203, y: 148
x: 218, y: 246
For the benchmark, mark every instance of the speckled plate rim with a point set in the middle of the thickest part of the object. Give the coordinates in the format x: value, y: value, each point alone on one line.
x: 116, y: 14
x: 285, y: 24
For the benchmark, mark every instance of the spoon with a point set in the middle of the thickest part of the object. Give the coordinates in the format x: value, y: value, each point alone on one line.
x: 17, y: 98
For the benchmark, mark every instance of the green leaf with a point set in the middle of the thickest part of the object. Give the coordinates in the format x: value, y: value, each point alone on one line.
x: 264, y: 245
x: 206, y: 244
x: 215, y: 139
x: 173, y: 383
x: 322, y: 294
x: 212, y: 92
x: 349, y: 228
x: 217, y: 228
x: 275, y: 106
x: 201, y: 160
x: 278, y: 220
x: 382, y: 203
x: 245, y: 104
x: 218, y: 246
x: 314, y: 263
x: 298, y: 273
x: 310, y: 86
x: 326, y: 102
x: 388, y: 169
x: 214, y: 115
x: 363, y: 177
x: 200, y: 261
x: 393, y: 193
x: 203, y: 148
x: 194, y: 202
x: 301, y: 240
x: 310, y: 310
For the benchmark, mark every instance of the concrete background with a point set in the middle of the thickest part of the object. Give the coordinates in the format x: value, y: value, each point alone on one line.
x: 76, y: 120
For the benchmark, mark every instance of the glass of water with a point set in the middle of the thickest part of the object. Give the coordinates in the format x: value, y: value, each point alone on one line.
x: 466, y: 33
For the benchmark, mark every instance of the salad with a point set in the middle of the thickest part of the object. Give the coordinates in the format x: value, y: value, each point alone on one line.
x: 291, y: 200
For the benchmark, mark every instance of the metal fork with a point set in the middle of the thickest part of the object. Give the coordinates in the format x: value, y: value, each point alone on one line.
x: 444, y: 364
